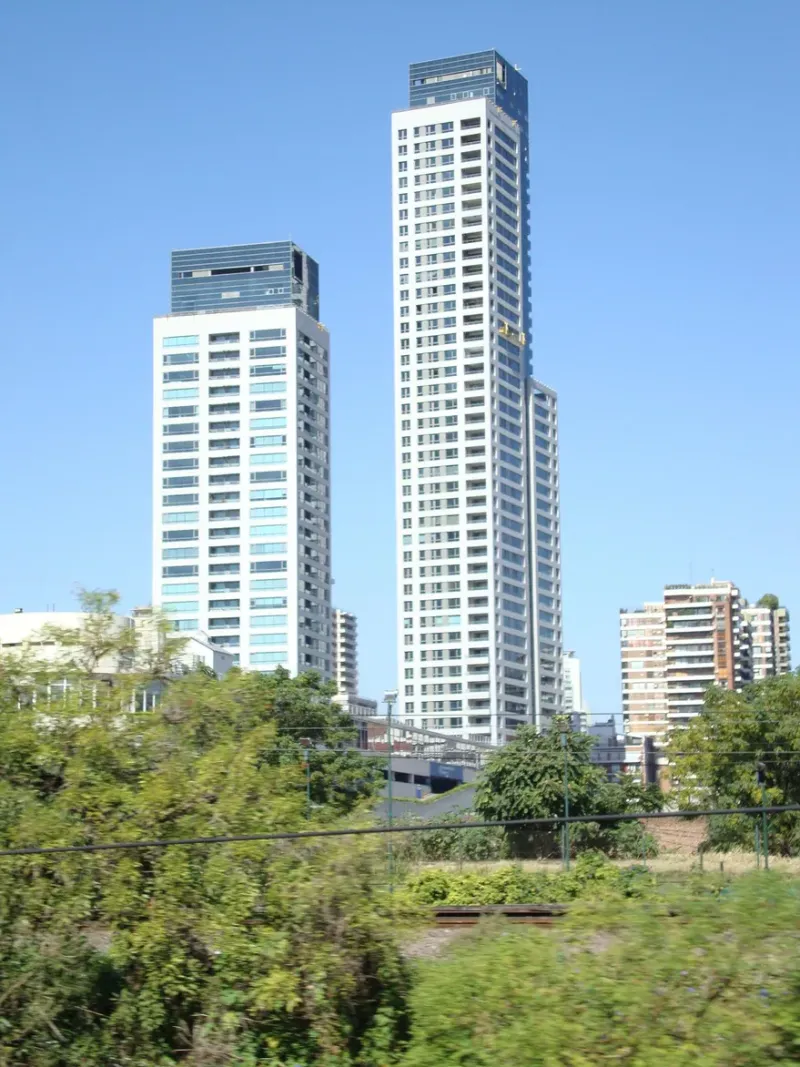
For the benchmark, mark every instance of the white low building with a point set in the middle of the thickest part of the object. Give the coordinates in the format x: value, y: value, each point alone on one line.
x: 23, y: 632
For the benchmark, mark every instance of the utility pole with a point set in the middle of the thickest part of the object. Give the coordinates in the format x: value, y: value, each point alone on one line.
x: 761, y: 778
x: 390, y: 699
x: 306, y: 742
x: 565, y: 834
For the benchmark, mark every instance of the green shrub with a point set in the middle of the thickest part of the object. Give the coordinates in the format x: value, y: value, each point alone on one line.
x: 709, y: 981
x: 473, y: 844
x: 592, y: 875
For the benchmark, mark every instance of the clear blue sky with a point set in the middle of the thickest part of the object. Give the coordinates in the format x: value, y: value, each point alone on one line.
x: 665, y: 178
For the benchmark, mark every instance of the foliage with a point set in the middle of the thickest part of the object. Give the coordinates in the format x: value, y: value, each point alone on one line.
x: 716, y: 758
x: 269, y: 953
x: 768, y: 600
x: 591, y: 875
x: 525, y: 780
x: 705, y: 982
x: 470, y: 844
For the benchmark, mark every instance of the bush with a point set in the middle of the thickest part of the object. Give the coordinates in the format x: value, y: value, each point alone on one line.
x: 591, y: 876
x: 709, y: 982
x: 472, y: 844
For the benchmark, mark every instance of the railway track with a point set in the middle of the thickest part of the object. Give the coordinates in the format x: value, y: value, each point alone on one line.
x: 470, y: 914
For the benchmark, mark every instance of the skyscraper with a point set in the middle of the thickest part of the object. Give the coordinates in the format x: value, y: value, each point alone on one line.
x: 479, y: 583
x: 573, y: 704
x: 345, y: 651
x: 241, y: 479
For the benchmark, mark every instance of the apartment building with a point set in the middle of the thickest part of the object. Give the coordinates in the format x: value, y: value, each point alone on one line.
x: 573, y: 704
x: 241, y: 478
x: 479, y: 568
x: 697, y: 636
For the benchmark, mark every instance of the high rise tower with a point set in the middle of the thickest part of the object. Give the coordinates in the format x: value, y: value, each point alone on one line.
x: 241, y: 480
x: 479, y: 582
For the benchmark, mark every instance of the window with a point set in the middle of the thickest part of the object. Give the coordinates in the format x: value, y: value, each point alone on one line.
x: 184, y: 624
x: 267, y: 335
x: 223, y: 568
x: 180, y: 428
x: 180, y: 516
x: 268, y: 565
x: 276, y: 423
x: 179, y: 535
x: 268, y: 531
x: 223, y: 605
x: 269, y: 513
x: 181, y: 375
x: 181, y: 357
x: 179, y: 482
x: 268, y: 351
x: 223, y: 338
x: 265, y: 459
x: 224, y: 531
x: 182, y: 411
x: 268, y: 548
x: 179, y: 605
x: 180, y: 553
x: 224, y: 390
x: 179, y: 342
x: 268, y: 620
x: 176, y: 499
x: 268, y: 657
x: 180, y: 571
x: 268, y: 639
x: 180, y: 394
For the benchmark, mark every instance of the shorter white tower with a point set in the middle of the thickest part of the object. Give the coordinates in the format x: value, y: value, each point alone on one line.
x: 241, y: 467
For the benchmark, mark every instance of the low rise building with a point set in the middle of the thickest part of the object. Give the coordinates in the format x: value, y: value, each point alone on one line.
x: 36, y: 634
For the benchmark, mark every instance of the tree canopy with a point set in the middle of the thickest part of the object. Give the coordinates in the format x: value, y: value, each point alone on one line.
x: 525, y: 780
x: 249, y: 953
x: 716, y: 758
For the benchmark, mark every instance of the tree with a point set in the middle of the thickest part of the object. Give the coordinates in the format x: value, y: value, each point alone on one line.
x: 525, y: 780
x: 716, y: 759
x: 769, y: 600
x: 257, y: 952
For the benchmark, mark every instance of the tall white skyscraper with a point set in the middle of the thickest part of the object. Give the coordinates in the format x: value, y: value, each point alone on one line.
x: 479, y: 570
x: 241, y: 479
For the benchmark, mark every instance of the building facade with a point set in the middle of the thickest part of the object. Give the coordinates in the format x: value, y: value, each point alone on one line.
x: 345, y: 651
x: 697, y: 636
x: 241, y: 478
x: 24, y: 633
x: 479, y: 571
x: 573, y: 704
x: 768, y: 630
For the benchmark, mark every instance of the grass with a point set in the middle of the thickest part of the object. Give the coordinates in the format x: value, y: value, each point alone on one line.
x: 666, y: 863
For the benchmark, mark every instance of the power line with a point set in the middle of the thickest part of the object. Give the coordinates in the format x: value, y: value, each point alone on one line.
x: 295, y: 835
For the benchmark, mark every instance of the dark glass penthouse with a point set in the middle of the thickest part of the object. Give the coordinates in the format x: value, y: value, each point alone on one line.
x: 232, y: 277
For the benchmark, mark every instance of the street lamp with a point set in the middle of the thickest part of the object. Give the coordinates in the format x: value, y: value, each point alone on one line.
x: 389, y: 699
